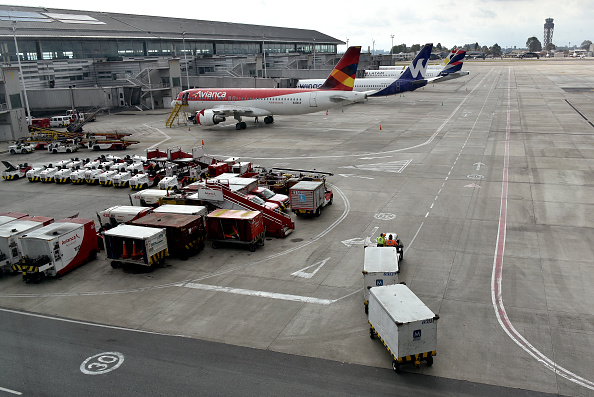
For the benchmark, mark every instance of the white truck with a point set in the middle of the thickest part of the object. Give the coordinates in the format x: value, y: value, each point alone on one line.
x: 63, y: 175
x: 309, y: 197
x: 122, y: 179
x: 404, y: 324
x: 77, y: 177
x: 380, y: 267
x: 106, y: 178
x: 47, y: 175
x: 147, y: 197
x: 122, y: 213
x: 33, y: 173
x: 136, y: 245
x: 22, y: 148
x: 10, y: 247
x: 58, y: 248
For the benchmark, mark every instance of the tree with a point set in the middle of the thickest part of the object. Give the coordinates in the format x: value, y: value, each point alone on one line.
x: 476, y: 46
x: 415, y: 48
x: 485, y: 49
x: 397, y: 49
x: 438, y: 46
x: 585, y: 44
x: 533, y: 44
x: 496, y: 50
x: 550, y: 47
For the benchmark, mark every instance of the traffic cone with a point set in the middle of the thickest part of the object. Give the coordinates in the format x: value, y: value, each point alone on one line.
x: 124, y: 251
x: 380, y: 127
x: 135, y: 254
x: 188, y: 128
x: 326, y: 113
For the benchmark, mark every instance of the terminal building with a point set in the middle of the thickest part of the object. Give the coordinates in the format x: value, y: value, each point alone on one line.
x: 97, y: 59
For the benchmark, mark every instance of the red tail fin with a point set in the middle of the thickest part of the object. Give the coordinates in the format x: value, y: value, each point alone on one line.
x: 342, y: 77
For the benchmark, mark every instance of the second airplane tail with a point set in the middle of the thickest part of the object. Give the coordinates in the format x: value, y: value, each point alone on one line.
x: 342, y: 77
x: 455, y: 63
x: 418, y: 67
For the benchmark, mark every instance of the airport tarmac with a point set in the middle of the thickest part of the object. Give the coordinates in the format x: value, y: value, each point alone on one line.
x: 488, y: 181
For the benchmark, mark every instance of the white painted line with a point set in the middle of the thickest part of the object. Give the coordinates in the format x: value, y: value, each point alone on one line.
x: 304, y: 274
x: 431, y: 206
x: 496, y: 277
x: 427, y: 214
x: 438, y: 193
x: 164, y: 140
x: 447, y: 178
x: 18, y: 393
x: 435, y: 198
x: 414, y: 237
x: 260, y: 294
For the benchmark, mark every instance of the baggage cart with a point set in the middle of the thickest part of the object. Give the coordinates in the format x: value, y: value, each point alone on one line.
x: 10, y: 247
x: 239, y: 227
x: 136, y: 245
x: 380, y: 267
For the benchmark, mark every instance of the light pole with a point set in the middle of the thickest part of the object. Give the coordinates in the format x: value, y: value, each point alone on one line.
x: 392, y: 48
x: 186, y: 59
x: 314, y: 52
x: 347, y: 43
x: 373, y: 46
x: 264, y: 53
x: 16, y: 46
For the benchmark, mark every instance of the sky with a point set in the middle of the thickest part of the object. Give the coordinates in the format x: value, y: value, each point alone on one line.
x: 508, y: 23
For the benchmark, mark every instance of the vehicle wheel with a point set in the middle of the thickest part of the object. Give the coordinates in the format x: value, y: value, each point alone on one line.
x: 367, y: 311
x: 54, y: 151
x: 68, y: 151
x: 23, y: 151
x: 238, y: 126
x: 395, y: 366
x: 252, y: 247
x: 215, y: 246
x: 429, y: 361
x: 243, y: 125
x: 331, y: 198
x: 318, y: 212
x: 92, y: 256
x: 371, y: 333
x: 115, y: 264
x: 12, y: 151
x: 96, y: 148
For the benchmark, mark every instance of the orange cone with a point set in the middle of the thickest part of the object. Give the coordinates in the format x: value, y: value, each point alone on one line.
x: 326, y: 113
x: 380, y: 127
x: 135, y: 254
x: 124, y: 251
x: 188, y: 128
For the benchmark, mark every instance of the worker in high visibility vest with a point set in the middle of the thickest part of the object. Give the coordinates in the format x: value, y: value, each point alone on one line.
x: 380, y: 240
x: 390, y: 242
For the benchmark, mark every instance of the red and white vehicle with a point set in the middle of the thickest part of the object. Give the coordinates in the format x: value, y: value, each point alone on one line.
x: 6, y: 217
x: 144, y: 181
x: 58, y: 248
x: 13, y: 172
x: 259, y: 201
x: 122, y: 213
x: 270, y: 197
x: 10, y: 233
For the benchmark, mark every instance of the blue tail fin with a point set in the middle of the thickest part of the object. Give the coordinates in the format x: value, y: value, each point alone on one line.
x: 418, y: 67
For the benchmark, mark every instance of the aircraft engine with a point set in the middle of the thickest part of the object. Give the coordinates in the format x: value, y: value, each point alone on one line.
x: 208, y: 117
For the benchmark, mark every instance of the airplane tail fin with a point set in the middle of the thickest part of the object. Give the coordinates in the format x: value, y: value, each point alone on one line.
x: 446, y: 60
x: 455, y: 63
x: 342, y: 77
x: 418, y: 67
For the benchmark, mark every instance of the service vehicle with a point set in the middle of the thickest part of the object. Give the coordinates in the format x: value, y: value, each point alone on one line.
x: 22, y: 148
x: 40, y: 123
x: 10, y: 247
x: 255, y: 199
x: 185, y: 233
x: 147, y: 197
x: 47, y: 175
x: 92, y: 175
x: 62, y: 147
x: 181, y: 209
x: 235, y: 183
x: 14, y: 172
x: 6, y: 217
x: 55, y: 249
x: 121, y: 179
x: 144, y: 181
x: 404, y: 324
x: 63, y: 175
x: 33, y: 173
x: 77, y: 177
x: 136, y: 245
x: 269, y: 196
x: 118, y: 214
x: 380, y: 267
x: 106, y: 178
x: 396, y: 243
x: 309, y: 197
x: 171, y: 182
x: 235, y: 227
x: 59, y: 121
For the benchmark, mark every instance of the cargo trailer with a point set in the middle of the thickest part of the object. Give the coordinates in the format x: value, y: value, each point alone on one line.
x: 136, y: 245
x: 235, y: 227
x: 380, y: 267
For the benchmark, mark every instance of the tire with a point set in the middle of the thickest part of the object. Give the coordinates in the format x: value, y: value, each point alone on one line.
x: 331, y: 198
x: 367, y: 311
x: 115, y: 264
x: 429, y: 361
x: 54, y: 151
x: 96, y: 148
x: 215, y: 246
x: 238, y: 126
x: 92, y: 256
x: 68, y: 151
x: 371, y: 333
x: 23, y: 151
x: 253, y: 247
x: 318, y: 212
x: 395, y: 366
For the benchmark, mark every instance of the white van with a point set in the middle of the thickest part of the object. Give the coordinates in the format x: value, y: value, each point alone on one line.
x: 59, y: 121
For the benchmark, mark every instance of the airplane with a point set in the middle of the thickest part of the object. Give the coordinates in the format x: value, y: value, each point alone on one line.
x: 436, y: 73
x: 410, y: 79
x: 214, y: 105
x: 440, y: 66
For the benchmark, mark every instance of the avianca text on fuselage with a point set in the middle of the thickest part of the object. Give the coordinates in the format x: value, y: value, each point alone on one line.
x: 208, y: 95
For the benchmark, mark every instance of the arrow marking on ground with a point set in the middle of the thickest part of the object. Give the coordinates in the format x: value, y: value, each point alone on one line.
x: 359, y: 241
x: 304, y: 274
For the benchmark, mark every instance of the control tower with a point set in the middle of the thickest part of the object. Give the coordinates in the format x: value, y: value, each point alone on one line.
x: 549, y: 26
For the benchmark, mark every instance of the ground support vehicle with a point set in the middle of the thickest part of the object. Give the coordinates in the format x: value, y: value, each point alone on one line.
x: 92, y: 176
x: 182, y: 209
x: 14, y: 172
x: 77, y: 177
x: 186, y: 234
x: 397, y: 243
x: 33, y: 174
x: 270, y: 197
x: 47, y: 175
x: 58, y: 248
x: 6, y: 217
x: 147, y: 197
x: 144, y: 181
x: 235, y: 227
x: 404, y: 324
x: 136, y: 245
x: 110, y: 144
x: 22, y: 148
x: 380, y: 267
x: 122, y: 179
x: 10, y: 247
x: 106, y: 179
x: 171, y: 182
x: 62, y: 147
x: 309, y: 197
x: 113, y: 216
x: 63, y: 175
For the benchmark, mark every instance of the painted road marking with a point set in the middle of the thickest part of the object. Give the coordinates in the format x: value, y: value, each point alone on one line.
x: 167, y: 137
x: 496, y: 277
x: 475, y: 176
x: 391, y: 166
x: 478, y: 165
x: 102, y: 363
x: 359, y: 241
x: 472, y: 185
x: 355, y: 176
x: 260, y: 294
x: 384, y: 216
x: 18, y: 393
x: 304, y: 274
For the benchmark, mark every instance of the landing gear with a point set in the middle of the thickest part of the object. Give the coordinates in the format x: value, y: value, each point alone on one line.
x: 241, y: 125
x: 268, y: 120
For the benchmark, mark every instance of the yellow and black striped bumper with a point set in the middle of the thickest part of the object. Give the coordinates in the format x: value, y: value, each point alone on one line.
x: 158, y: 256
x: 414, y: 359
x: 25, y: 269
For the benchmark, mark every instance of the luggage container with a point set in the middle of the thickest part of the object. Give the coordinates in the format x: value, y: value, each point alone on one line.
x: 10, y: 247
x: 217, y: 169
x: 185, y: 233
x: 404, y: 324
x: 122, y: 214
x: 6, y: 217
x: 136, y: 245
x: 57, y: 248
x: 181, y: 209
x: 308, y: 197
x: 235, y: 227
x: 147, y: 198
x: 380, y: 267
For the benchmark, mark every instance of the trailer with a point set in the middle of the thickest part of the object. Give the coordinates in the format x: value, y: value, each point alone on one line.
x: 10, y: 247
x: 235, y: 227
x: 55, y: 249
x: 135, y: 245
x: 380, y: 267
x: 395, y: 243
x: 122, y: 214
x: 147, y: 197
x: 6, y: 217
x: 185, y: 233
x: 309, y: 197
x: 404, y: 324
x: 181, y: 209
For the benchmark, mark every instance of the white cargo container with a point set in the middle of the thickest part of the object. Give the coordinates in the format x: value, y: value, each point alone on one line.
x: 10, y: 247
x: 404, y: 324
x: 122, y: 214
x: 380, y: 267
x: 181, y: 209
x: 140, y: 245
x: 147, y: 197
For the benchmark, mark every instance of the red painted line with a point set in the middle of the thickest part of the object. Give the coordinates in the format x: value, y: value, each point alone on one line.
x: 496, y: 279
